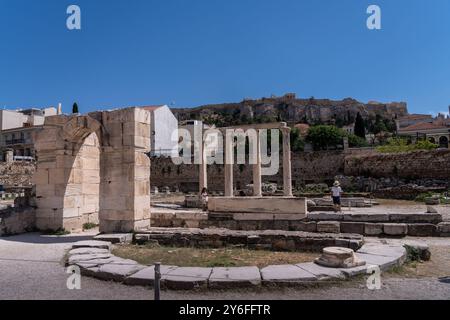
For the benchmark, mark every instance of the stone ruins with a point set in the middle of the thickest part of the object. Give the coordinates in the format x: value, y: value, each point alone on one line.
x: 94, y: 168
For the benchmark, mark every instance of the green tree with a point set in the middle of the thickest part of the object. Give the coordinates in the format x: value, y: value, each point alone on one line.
x: 356, y: 142
x: 297, y: 143
x: 323, y: 137
x: 360, y: 127
x: 75, y: 108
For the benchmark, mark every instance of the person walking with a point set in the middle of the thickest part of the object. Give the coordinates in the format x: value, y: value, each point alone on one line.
x: 336, y: 192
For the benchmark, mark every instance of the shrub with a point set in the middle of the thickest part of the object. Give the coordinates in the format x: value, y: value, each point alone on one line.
x: 396, y: 145
x: 89, y: 225
x: 355, y: 141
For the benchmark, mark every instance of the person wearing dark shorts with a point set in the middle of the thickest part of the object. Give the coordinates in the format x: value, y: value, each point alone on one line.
x: 336, y: 192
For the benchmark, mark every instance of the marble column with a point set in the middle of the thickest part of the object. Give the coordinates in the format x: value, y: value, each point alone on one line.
x: 203, y: 174
x: 287, y: 175
x: 257, y: 191
x: 229, y: 160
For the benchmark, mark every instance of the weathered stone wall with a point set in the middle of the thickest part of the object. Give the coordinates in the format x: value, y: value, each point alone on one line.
x: 421, y: 167
x: 17, y: 220
x: 411, y: 165
x: 16, y: 173
x: 308, y: 167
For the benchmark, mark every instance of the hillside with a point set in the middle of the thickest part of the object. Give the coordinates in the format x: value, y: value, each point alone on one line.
x: 292, y: 110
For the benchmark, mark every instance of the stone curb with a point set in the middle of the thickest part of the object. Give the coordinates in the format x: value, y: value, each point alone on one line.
x: 96, y: 261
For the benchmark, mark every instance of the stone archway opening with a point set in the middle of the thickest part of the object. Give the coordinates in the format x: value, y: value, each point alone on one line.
x: 443, y: 142
x: 82, y: 194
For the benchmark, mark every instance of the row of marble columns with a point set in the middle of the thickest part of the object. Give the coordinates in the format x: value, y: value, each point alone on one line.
x: 257, y: 180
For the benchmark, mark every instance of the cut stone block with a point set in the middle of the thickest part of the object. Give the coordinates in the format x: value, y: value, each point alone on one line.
x: 397, y: 252
x: 73, y: 259
x: 422, y: 230
x: 352, y: 272
x: 285, y: 274
x: 92, y: 244
x: 352, y: 227
x: 87, y: 251
x: 444, y: 229
x: 368, y: 217
x: 234, y: 277
x: 118, y: 271
x: 325, y: 216
x: 383, y: 262
x: 395, y: 229
x: 328, y: 227
x: 187, y: 278
x: 373, y: 229
x: 116, y: 237
x: 97, y: 262
x: 146, y: 276
x: 322, y: 273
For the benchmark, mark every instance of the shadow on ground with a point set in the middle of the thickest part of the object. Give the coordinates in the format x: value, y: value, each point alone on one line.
x: 38, y: 238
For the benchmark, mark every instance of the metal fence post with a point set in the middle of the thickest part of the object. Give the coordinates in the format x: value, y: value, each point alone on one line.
x: 157, y: 280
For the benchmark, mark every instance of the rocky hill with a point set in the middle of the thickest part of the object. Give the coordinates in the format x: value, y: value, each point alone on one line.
x: 292, y: 110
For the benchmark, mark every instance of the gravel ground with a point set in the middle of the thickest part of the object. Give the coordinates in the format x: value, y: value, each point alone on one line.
x: 31, y: 269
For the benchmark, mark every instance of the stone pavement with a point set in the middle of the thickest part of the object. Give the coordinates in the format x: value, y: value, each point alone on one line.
x: 31, y: 269
x: 381, y: 253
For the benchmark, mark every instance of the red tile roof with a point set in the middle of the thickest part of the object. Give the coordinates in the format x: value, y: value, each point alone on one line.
x: 416, y: 116
x: 423, y: 126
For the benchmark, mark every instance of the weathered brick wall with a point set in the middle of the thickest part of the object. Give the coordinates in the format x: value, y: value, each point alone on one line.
x: 412, y: 165
x: 16, y: 173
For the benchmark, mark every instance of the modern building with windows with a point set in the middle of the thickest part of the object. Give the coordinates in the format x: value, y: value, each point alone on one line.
x: 17, y: 131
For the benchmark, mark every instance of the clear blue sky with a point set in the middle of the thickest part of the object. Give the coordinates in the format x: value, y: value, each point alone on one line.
x: 195, y: 52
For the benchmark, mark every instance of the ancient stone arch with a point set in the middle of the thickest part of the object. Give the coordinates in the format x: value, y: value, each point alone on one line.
x: 94, y: 168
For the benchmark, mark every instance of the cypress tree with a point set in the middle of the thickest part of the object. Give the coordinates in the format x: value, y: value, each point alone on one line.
x: 75, y: 108
x: 360, y: 128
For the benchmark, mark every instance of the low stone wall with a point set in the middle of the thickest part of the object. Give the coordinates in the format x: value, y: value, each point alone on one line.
x: 394, y: 225
x: 270, y: 239
x: 17, y: 220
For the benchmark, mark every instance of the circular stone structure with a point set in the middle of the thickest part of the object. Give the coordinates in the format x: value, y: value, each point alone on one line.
x: 337, y: 257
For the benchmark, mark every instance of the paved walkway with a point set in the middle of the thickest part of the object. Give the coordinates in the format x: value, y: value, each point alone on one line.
x: 31, y: 269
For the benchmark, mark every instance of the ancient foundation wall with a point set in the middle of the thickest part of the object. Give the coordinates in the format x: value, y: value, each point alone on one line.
x: 315, y: 167
x: 412, y: 165
x: 16, y: 174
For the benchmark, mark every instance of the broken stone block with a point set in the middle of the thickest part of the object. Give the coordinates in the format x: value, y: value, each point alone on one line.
x: 444, y: 229
x: 419, y: 249
x: 337, y: 257
x: 328, y: 227
x: 395, y: 229
x: 431, y: 209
